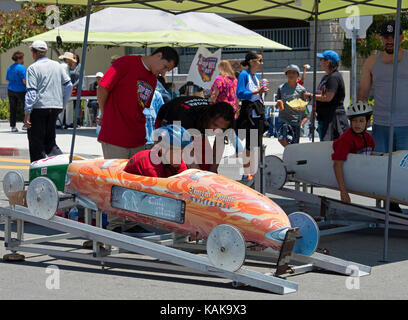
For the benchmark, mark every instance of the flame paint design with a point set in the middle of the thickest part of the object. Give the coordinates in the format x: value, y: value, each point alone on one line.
x: 251, y: 212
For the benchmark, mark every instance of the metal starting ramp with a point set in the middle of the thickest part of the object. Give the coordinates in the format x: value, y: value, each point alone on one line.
x: 277, y: 176
x: 82, y: 230
x: 370, y: 217
x: 177, y: 254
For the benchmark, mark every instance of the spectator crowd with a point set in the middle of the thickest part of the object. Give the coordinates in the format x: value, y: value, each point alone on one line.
x: 140, y: 116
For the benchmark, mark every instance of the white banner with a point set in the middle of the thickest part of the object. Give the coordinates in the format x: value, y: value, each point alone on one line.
x: 204, y: 68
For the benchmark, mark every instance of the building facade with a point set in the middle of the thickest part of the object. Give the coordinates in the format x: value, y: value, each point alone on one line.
x: 296, y: 34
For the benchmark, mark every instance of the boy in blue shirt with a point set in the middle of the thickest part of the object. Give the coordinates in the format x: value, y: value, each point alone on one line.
x: 290, y: 119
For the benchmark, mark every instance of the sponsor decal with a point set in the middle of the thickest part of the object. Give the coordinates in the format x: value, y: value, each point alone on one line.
x: 144, y: 92
x: 208, y: 198
x: 206, y: 67
x: 404, y: 162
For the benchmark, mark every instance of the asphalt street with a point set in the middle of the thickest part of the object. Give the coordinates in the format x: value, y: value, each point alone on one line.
x: 30, y: 279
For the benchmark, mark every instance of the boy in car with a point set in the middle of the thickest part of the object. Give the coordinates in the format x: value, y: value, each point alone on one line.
x: 165, y: 158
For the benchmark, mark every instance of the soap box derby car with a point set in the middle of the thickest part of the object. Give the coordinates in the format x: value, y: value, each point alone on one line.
x: 192, y: 202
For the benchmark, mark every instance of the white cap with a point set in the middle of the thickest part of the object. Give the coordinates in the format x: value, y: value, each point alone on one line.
x: 99, y: 74
x: 39, y: 45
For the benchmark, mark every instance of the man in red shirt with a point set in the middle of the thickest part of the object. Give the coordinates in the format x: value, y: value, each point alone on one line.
x: 354, y: 140
x: 164, y: 159
x: 124, y: 91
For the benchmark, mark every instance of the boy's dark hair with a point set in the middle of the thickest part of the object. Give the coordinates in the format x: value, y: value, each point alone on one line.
x: 166, y: 85
x: 161, y: 79
x: 216, y: 110
x: 169, y: 54
x: 248, y: 57
x: 367, y: 116
x: 17, y: 55
x: 196, y: 88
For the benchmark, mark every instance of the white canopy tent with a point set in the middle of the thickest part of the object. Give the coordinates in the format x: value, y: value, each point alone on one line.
x: 134, y: 27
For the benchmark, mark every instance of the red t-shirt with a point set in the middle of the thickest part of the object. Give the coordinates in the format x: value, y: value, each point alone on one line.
x: 131, y: 87
x: 147, y: 163
x: 349, y: 142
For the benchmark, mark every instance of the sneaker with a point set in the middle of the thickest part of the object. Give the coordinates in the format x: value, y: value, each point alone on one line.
x: 138, y: 231
x: 89, y: 244
x: 14, y: 129
x: 24, y: 127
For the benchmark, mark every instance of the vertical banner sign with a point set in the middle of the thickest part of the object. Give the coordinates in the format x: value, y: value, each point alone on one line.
x: 204, y: 68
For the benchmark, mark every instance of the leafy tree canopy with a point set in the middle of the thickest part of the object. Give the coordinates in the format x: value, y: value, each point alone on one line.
x: 29, y: 21
x: 373, y: 41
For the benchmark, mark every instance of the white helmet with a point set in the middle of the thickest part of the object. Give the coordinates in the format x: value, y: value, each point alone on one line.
x: 360, y: 108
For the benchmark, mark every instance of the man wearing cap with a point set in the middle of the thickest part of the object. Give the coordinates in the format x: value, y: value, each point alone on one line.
x: 48, y: 90
x: 331, y: 116
x: 377, y: 75
x: 289, y: 119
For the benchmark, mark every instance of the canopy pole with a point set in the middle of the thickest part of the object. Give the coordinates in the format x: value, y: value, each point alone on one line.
x: 261, y: 148
x: 391, y: 130
x: 172, y: 79
x: 81, y: 77
x: 312, y: 118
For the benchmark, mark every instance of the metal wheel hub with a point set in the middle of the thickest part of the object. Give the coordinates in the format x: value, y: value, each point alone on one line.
x: 226, y: 247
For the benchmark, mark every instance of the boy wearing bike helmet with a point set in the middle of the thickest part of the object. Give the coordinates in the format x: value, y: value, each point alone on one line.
x: 165, y: 158
x: 354, y: 140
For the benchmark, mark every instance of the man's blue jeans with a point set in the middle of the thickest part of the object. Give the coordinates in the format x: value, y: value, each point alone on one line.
x: 381, y: 135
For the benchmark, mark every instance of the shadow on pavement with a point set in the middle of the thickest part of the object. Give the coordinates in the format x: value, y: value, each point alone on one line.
x: 83, y: 132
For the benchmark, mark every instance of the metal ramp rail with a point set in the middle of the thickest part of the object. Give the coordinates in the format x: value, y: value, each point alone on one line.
x: 376, y: 215
x: 76, y: 229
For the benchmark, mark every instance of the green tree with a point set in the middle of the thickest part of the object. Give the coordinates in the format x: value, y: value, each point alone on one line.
x: 372, y: 41
x: 29, y: 21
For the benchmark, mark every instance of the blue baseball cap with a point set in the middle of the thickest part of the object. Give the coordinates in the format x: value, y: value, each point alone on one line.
x: 329, y: 55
